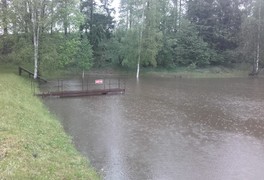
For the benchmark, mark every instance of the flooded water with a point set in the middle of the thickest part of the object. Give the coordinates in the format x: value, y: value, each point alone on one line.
x: 168, y: 128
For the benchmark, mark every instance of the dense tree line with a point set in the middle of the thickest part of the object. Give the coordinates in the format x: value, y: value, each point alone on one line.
x: 194, y: 33
x: 55, y: 34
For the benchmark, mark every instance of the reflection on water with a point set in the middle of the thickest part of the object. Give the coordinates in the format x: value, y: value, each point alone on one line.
x: 171, y: 129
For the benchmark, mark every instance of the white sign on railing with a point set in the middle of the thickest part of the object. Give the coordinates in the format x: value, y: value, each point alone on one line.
x: 99, y: 81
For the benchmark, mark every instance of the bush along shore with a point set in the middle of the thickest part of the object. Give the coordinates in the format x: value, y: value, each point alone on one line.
x: 33, y: 144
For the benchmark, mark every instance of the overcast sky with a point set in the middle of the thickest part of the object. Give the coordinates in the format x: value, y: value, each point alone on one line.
x: 115, y: 5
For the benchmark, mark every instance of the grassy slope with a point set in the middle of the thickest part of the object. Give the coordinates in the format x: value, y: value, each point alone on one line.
x: 33, y: 144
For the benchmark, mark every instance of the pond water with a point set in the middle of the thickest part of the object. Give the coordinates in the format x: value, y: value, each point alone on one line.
x: 171, y: 128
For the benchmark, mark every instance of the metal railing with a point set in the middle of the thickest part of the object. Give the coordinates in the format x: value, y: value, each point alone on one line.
x: 84, y: 86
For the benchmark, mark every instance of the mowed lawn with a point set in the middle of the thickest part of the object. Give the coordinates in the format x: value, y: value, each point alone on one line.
x: 33, y: 144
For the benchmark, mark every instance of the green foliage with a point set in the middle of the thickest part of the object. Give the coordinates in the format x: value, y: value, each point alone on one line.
x: 218, y: 22
x: 100, y: 36
x: 190, y: 48
x: 67, y: 51
x: 7, y: 43
x: 60, y: 52
x: 19, y: 49
x: 68, y: 15
x: 249, y: 38
x: 6, y: 47
x: 185, y: 48
x: 84, y: 55
x: 114, y: 48
x: 23, y: 51
x: 49, y: 55
x: 212, y: 36
x: 165, y: 57
x: 55, y: 52
x: 150, y: 48
x: 122, y: 49
x: 129, y: 49
x: 152, y: 37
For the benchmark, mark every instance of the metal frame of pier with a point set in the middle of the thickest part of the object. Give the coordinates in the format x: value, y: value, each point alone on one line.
x: 92, y: 85
x: 108, y: 85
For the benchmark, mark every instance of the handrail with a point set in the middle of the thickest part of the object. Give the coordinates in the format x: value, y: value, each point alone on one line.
x: 65, y: 88
x: 20, y: 69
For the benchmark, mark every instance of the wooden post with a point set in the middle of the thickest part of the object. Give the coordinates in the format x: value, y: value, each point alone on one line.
x: 82, y: 84
x: 104, y: 83
x: 58, y: 85
x: 62, y: 86
x: 19, y: 71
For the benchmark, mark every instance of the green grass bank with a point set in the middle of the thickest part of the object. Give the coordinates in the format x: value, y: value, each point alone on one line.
x: 209, y: 72
x: 33, y: 144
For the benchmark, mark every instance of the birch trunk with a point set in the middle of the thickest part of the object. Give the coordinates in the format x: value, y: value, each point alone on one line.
x: 140, y: 41
x: 180, y: 13
x: 175, y: 14
x: 35, y: 26
x: 258, y: 42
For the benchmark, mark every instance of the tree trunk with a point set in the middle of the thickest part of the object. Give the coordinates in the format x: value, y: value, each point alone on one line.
x: 140, y: 40
x: 175, y: 15
x: 52, y: 16
x: 258, y: 45
x: 35, y: 28
x: 65, y: 19
x: 5, y: 16
x: 130, y: 17
x: 42, y: 15
x: 180, y: 13
x: 256, y: 61
x: 27, y: 12
x: 127, y: 19
x: 91, y: 14
x: 4, y: 11
x: 65, y: 29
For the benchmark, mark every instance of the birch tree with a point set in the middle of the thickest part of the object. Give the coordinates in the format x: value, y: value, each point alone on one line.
x: 252, y: 37
x: 36, y: 7
x: 140, y: 40
x: 142, y: 18
x: 257, y: 59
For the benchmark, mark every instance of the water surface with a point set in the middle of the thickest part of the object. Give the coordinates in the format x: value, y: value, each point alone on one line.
x: 169, y: 128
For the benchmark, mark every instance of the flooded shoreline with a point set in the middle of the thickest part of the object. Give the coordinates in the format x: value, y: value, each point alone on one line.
x: 165, y: 128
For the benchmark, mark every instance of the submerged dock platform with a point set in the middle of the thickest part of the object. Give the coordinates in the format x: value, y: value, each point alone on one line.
x: 63, y: 94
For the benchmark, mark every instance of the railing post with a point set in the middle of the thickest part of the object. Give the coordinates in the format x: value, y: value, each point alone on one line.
x: 104, y: 83
x: 62, y: 86
x: 82, y: 84
x: 58, y: 85
x: 19, y: 71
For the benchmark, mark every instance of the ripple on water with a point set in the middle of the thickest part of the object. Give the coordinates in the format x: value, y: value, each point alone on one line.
x: 171, y: 129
